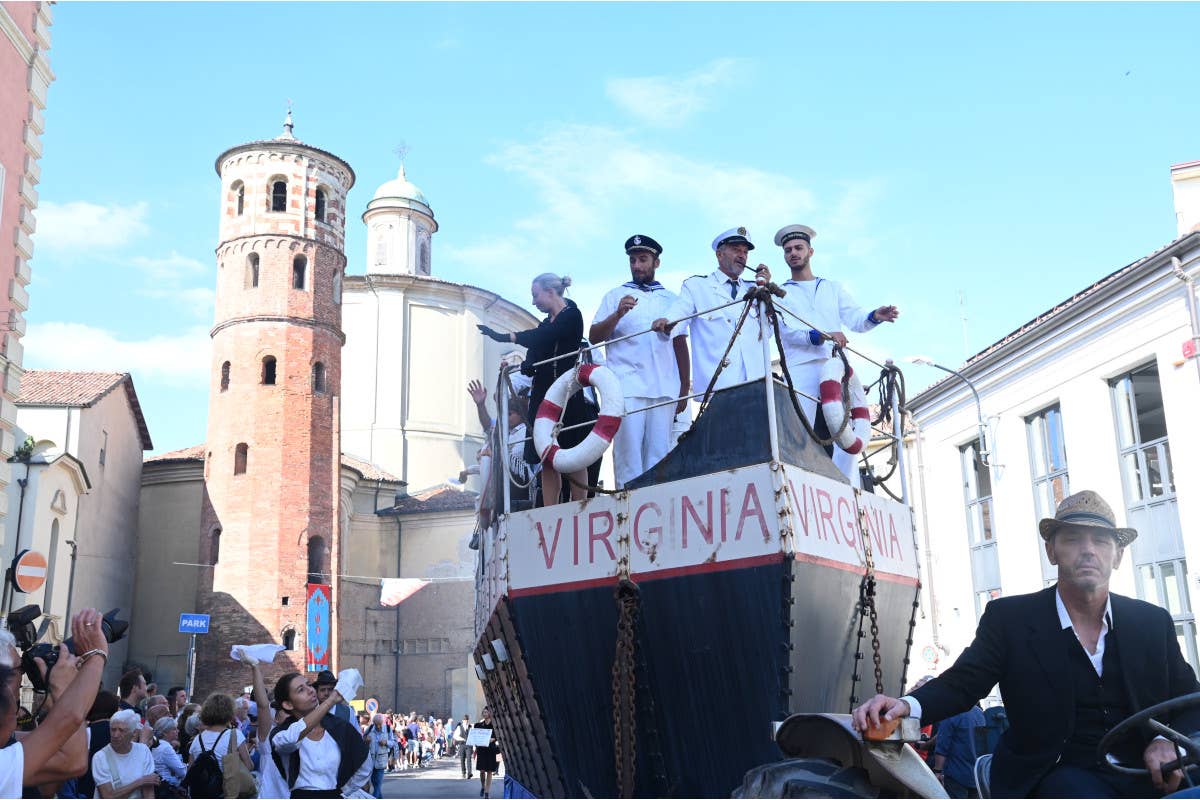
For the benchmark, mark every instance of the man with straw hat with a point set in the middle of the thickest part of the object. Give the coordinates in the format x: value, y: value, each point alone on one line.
x: 1072, y: 661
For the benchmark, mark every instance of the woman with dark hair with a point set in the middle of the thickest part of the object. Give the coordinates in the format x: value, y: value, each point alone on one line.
x: 188, y: 723
x: 559, y: 333
x: 487, y: 759
x: 318, y: 753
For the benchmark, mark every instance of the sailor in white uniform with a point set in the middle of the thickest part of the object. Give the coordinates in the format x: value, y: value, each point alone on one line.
x: 652, y: 369
x: 710, y: 333
x: 825, y: 306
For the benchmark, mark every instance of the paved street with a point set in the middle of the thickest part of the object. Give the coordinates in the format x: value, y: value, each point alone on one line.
x: 444, y: 779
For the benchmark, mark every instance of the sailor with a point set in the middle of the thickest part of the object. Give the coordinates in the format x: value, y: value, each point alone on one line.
x: 712, y: 330
x: 825, y: 306
x: 652, y: 370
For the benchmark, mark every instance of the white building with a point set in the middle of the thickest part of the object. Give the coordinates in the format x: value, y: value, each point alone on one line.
x: 79, y: 504
x: 1099, y: 392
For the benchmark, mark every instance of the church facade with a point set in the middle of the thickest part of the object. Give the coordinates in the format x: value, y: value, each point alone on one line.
x: 338, y: 414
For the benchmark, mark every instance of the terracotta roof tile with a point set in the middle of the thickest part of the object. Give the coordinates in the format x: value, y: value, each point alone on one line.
x: 194, y: 453
x: 434, y: 500
x: 45, y: 387
x: 371, y: 472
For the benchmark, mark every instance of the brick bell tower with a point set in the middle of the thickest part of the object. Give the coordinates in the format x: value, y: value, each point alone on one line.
x: 272, y: 455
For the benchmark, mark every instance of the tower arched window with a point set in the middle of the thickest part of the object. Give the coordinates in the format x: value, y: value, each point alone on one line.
x: 268, y: 370
x: 320, y: 210
x: 299, y: 267
x: 252, y: 271
x: 318, y: 553
x: 241, y: 454
x: 239, y: 196
x: 279, y: 195
x: 318, y: 377
x: 289, y: 639
x: 214, y: 546
x: 225, y: 376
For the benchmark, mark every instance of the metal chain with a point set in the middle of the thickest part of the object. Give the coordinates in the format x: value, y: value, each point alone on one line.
x: 908, y: 643
x: 865, y: 535
x: 858, y: 656
x: 624, y: 687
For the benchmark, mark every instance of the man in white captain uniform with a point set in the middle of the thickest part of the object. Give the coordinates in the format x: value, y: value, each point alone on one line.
x: 825, y: 306
x: 651, y: 369
x: 710, y: 333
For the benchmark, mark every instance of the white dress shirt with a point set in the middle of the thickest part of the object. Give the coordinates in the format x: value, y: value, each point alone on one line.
x: 826, y: 306
x: 645, y: 364
x: 710, y: 333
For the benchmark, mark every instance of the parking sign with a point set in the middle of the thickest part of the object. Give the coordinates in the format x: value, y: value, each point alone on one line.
x: 193, y: 623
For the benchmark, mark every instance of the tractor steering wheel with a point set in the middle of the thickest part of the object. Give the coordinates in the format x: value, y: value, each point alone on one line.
x: 1146, y: 719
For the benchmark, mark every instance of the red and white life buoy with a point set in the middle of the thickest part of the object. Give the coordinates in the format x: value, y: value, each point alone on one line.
x: 612, y: 408
x: 854, y: 436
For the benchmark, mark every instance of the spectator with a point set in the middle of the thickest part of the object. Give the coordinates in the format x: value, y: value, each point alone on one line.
x: 241, y: 715
x: 216, y: 718
x: 460, y: 736
x: 324, y: 685
x: 176, y: 700
x: 410, y: 745
x: 124, y: 767
x: 380, y: 742
x: 155, y: 713
x: 58, y: 746
x: 105, y: 705
x: 167, y: 763
x: 954, y: 754
x: 187, y: 723
x: 320, y: 754
x: 132, y: 689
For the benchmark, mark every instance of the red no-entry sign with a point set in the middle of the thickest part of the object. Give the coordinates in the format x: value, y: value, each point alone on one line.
x: 29, y: 571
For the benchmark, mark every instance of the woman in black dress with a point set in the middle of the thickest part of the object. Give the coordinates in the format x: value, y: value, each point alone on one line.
x: 560, y: 332
x: 487, y: 759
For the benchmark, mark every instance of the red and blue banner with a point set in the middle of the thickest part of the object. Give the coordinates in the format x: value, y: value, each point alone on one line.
x: 320, y: 615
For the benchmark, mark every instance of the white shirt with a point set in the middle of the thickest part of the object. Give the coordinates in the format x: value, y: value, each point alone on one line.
x: 645, y: 364
x: 137, y: 763
x: 711, y: 332
x: 272, y: 783
x: 826, y: 306
x: 12, y: 770
x: 209, y: 740
x: 167, y: 763
x: 288, y: 741
x: 1064, y: 619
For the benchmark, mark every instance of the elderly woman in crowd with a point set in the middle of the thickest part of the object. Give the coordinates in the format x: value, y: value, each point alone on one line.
x: 167, y: 762
x: 124, y: 767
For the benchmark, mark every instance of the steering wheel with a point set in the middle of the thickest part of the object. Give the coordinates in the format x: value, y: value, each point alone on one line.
x: 1146, y: 719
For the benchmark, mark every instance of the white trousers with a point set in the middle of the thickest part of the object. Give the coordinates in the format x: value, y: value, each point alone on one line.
x: 806, y: 377
x: 643, y: 439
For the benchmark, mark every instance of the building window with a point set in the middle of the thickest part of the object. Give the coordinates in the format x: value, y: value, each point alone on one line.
x: 1151, y: 504
x: 225, y: 376
x: 299, y: 267
x: 104, y: 448
x: 252, y: 271
x: 423, y: 257
x: 318, y: 377
x: 337, y: 286
x: 241, y: 454
x: 239, y: 196
x: 317, y: 560
x: 279, y: 195
x: 268, y: 370
x: 1048, y: 466
x: 289, y: 639
x: 981, y: 531
x: 214, y: 546
x: 320, y: 210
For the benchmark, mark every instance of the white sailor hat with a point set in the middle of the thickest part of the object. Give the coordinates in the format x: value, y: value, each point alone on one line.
x: 733, y: 236
x: 789, y: 232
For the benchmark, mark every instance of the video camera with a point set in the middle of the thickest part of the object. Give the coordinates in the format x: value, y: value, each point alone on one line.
x: 20, y: 623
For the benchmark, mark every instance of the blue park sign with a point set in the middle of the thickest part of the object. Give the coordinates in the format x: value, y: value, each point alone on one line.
x: 193, y: 623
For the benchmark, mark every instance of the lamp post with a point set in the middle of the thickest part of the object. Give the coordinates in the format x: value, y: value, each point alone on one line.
x: 984, y: 453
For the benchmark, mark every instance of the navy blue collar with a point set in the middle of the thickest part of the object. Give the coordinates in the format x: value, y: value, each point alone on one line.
x: 652, y: 286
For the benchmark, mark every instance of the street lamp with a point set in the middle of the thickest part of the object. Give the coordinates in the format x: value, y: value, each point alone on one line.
x: 984, y: 452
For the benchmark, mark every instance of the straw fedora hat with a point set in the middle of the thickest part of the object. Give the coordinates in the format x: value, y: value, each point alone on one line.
x: 1088, y: 510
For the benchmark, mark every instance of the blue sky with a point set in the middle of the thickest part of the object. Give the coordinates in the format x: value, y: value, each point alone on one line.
x: 1014, y: 153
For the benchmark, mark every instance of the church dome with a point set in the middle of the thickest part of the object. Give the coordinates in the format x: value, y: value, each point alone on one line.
x: 400, y: 188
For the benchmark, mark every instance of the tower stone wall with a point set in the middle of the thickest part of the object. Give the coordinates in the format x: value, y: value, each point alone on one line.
x: 271, y: 462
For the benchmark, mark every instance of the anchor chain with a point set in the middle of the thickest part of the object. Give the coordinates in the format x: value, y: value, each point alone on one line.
x: 624, y: 687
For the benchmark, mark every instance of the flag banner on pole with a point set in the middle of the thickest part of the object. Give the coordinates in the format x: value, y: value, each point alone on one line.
x: 394, y: 591
x: 319, y: 616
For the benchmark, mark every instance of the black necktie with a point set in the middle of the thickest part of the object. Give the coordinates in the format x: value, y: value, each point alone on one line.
x: 733, y: 287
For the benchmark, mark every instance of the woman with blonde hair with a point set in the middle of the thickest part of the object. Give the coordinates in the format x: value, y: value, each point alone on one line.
x: 559, y: 333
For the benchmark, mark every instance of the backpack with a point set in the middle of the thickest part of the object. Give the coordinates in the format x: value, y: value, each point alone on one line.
x: 204, y: 777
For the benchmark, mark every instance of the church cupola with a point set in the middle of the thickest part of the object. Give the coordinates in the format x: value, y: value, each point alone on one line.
x: 400, y: 227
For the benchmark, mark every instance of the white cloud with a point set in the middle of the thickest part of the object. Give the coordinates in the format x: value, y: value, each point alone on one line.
x: 173, y: 266
x: 179, y: 360
x: 669, y: 101
x: 79, y: 227
x: 198, y: 301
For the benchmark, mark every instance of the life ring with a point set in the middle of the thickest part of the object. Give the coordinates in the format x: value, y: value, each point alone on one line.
x: 855, y: 435
x: 612, y: 408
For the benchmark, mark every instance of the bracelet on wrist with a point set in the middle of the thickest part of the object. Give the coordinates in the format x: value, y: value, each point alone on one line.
x: 83, y: 658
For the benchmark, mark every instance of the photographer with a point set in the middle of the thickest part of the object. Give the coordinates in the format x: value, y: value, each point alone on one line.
x: 40, y: 756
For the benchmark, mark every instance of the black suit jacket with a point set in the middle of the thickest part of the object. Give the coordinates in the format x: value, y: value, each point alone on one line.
x: 1019, y: 644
